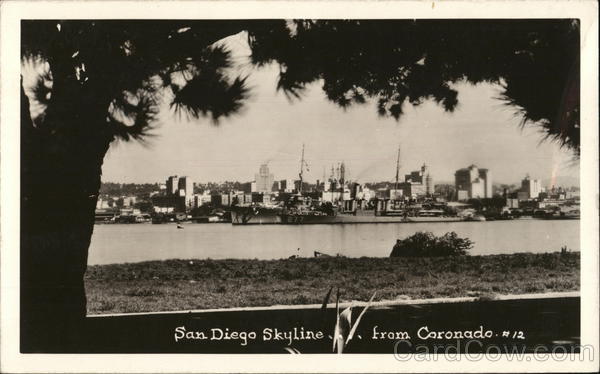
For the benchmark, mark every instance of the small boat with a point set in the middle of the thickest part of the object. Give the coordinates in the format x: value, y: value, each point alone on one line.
x: 179, y: 226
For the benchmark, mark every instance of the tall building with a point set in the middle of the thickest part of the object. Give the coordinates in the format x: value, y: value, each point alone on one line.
x: 172, y: 185
x: 186, y: 190
x: 264, y: 180
x: 417, y: 183
x: 276, y: 186
x: 180, y: 193
x: 473, y: 183
x: 185, y: 186
x: 486, y: 176
x: 429, y: 184
x: 531, y: 188
x: 417, y: 176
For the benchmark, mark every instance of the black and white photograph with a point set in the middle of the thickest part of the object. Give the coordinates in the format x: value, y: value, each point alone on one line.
x: 204, y: 182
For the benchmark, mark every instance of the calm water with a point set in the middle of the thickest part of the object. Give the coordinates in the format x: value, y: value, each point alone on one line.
x: 143, y: 242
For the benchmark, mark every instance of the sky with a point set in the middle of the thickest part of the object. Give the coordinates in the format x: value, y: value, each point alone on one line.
x: 272, y: 129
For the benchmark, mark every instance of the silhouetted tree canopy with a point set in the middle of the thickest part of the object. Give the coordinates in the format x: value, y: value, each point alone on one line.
x: 138, y: 66
x: 535, y: 61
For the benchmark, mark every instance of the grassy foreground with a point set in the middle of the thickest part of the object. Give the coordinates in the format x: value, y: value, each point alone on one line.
x: 202, y: 284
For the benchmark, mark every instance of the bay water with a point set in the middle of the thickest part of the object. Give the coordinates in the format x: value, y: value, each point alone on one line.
x: 119, y: 243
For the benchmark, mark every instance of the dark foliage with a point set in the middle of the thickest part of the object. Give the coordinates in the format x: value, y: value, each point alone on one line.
x: 425, y: 244
x: 410, y: 61
x: 136, y: 67
x: 142, y: 64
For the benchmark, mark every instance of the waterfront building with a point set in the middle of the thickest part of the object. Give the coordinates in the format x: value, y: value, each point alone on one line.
x: 163, y: 209
x: 263, y: 180
x: 236, y: 198
x: 336, y: 195
x: 201, y: 199
x: 172, y: 185
x: 367, y: 193
x: 473, y: 183
x: 462, y: 195
x: 416, y: 176
x: 416, y: 184
x: 102, y: 204
x: 429, y: 188
x: 382, y: 193
x: 247, y: 187
x: 512, y: 203
x: 397, y: 194
x: 360, y: 192
x: 185, y: 186
x: 222, y: 199
x: 179, y: 195
x: 171, y: 203
x: 181, y: 188
x: 531, y: 188
x: 129, y: 201
x: 486, y: 176
x: 287, y: 185
x: 410, y: 190
x: 186, y: 190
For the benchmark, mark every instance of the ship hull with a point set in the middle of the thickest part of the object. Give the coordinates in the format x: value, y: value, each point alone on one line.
x: 273, y: 217
x: 260, y: 216
x: 343, y: 218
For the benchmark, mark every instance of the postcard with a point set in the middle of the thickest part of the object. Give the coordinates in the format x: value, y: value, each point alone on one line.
x: 299, y: 186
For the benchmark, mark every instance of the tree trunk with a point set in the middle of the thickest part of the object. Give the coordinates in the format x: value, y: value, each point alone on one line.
x: 60, y: 180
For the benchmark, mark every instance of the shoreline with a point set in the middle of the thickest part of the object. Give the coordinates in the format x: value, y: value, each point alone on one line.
x: 169, y: 285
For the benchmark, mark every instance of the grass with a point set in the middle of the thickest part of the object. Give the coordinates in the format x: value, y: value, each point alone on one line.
x: 202, y: 284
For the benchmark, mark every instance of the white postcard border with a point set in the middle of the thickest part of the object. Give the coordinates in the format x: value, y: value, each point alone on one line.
x: 13, y: 11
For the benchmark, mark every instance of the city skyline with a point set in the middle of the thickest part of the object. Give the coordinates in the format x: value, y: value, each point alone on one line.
x: 560, y: 181
x: 482, y: 131
x: 564, y: 182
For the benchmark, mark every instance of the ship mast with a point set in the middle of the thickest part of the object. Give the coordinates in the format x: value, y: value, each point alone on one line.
x: 301, y: 171
x: 397, y: 169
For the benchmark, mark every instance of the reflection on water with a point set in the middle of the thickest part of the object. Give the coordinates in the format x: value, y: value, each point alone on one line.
x: 143, y: 242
